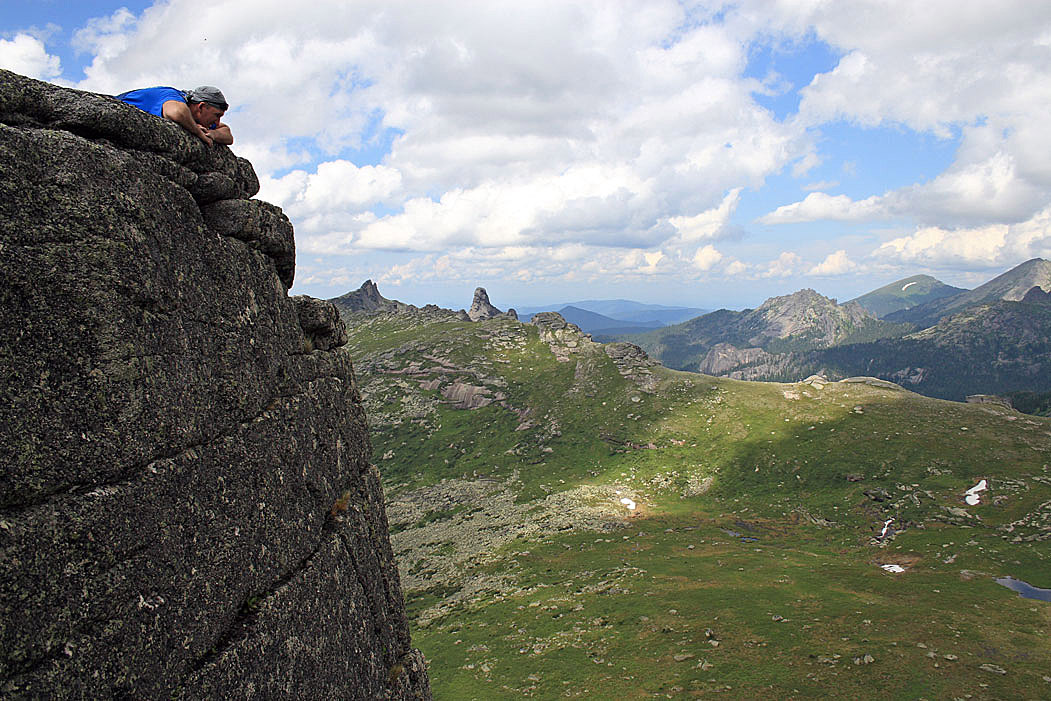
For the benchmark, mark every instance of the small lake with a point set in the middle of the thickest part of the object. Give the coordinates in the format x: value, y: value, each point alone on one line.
x: 1024, y: 589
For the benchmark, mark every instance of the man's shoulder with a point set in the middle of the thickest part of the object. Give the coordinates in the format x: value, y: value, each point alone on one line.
x: 152, y: 100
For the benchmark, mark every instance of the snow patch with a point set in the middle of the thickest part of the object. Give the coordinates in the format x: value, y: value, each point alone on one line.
x: 628, y: 503
x: 896, y: 569
x: 886, y: 527
x: 907, y: 286
x: 972, y: 497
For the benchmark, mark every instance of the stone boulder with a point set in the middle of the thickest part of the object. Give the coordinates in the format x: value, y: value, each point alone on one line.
x: 188, y: 509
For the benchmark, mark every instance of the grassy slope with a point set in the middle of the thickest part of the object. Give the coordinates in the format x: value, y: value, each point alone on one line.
x: 634, y: 612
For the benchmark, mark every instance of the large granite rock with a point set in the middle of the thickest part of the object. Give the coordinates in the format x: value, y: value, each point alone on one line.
x: 481, y: 309
x: 187, y: 508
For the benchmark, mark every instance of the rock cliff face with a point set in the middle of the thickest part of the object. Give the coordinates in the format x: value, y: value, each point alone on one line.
x: 187, y: 508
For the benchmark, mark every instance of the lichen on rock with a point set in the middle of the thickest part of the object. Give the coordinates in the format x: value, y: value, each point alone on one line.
x: 188, y: 508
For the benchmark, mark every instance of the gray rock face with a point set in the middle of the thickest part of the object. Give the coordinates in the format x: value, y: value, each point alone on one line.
x: 724, y: 358
x: 187, y: 508
x: 481, y: 308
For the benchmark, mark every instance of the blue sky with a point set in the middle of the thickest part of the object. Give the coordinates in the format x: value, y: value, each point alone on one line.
x: 700, y: 153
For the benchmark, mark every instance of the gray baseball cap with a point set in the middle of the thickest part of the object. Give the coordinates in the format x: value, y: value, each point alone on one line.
x: 210, y: 94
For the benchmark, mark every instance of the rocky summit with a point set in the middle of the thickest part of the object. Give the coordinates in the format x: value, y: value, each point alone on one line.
x: 481, y: 308
x: 367, y: 298
x: 188, y: 509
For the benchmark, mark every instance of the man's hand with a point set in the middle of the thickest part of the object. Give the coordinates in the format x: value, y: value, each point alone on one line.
x: 221, y: 134
x: 204, y: 134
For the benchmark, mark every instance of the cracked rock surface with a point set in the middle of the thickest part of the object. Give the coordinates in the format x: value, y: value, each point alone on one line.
x: 187, y: 508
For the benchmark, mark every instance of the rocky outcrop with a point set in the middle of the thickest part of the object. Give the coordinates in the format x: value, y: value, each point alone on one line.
x: 633, y: 363
x: 188, y: 509
x: 565, y: 339
x: 368, y: 299
x: 723, y: 358
x: 989, y: 399
x: 481, y: 309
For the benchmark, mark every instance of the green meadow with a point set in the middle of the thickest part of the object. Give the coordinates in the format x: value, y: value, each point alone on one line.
x: 751, y: 565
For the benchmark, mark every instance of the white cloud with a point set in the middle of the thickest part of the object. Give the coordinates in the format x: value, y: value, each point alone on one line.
x: 706, y: 258
x: 837, y: 263
x: 982, y: 187
x: 735, y: 268
x: 939, y: 67
x: 105, y: 37
x: 610, y: 124
x: 27, y: 55
x: 613, y: 138
x: 991, y: 246
x: 334, y: 185
x: 818, y: 205
x: 710, y: 224
x: 785, y: 265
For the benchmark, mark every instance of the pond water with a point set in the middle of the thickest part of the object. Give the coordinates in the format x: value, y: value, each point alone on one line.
x: 1025, y: 589
x: 735, y: 534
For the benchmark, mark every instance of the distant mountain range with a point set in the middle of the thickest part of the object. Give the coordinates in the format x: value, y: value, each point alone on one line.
x: 615, y: 316
x: 996, y: 348
x: 1012, y: 286
x: 933, y: 338
x: 728, y: 342
x: 930, y: 337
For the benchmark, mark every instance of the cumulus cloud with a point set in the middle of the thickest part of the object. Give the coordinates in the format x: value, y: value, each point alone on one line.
x: 710, y: 224
x: 785, y: 265
x: 26, y: 54
x: 836, y: 263
x: 705, y: 258
x: 942, y: 67
x: 334, y: 185
x: 614, y: 138
x: 613, y: 124
x: 105, y: 37
x: 992, y: 246
x: 986, y: 184
x: 736, y: 267
x: 818, y: 205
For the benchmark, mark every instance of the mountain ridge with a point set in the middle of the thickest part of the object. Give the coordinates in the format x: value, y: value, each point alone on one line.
x: 1011, y: 286
x: 904, y: 294
x: 804, y: 320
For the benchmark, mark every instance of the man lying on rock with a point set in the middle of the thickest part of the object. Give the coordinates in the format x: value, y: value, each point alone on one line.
x: 198, y: 111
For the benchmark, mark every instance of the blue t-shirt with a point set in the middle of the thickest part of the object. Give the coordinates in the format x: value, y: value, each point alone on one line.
x: 151, y: 99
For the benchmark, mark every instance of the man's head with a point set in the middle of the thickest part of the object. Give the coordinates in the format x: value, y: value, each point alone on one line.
x: 207, y: 104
